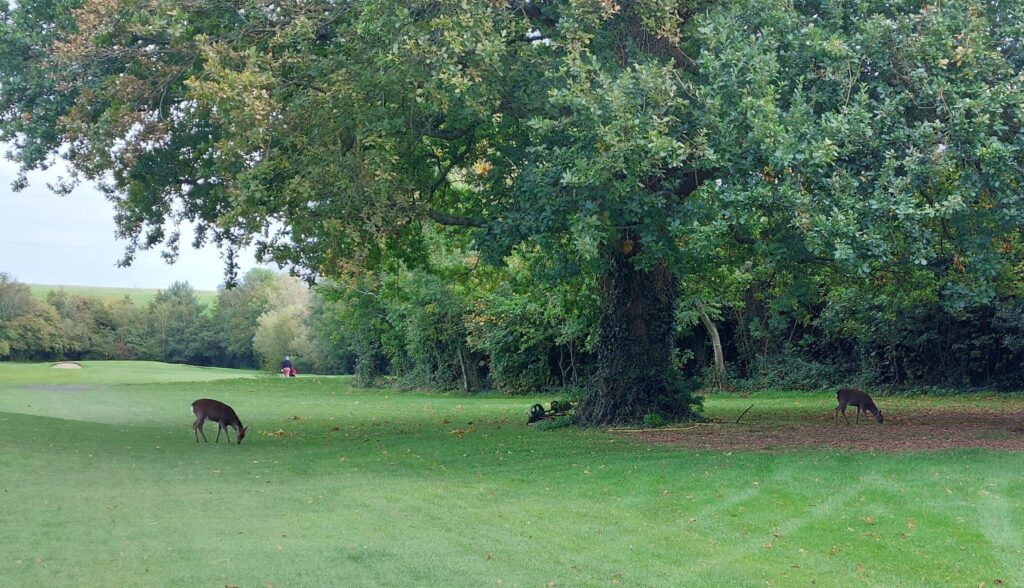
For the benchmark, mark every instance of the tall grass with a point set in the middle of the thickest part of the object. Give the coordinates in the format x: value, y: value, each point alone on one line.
x: 103, y: 484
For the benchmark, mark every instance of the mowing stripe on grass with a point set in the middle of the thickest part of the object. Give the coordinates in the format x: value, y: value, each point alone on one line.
x: 996, y: 520
x: 342, y: 487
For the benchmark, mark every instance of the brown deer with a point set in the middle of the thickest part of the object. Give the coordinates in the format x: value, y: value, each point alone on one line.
x: 222, y: 414
x: 854, y: 397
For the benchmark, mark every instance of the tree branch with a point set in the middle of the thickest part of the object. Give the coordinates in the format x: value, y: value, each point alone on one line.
x: 662, y: 47
x: 654, y: 43
x: 689, y: 183
x: 740, y: 238
x: 459, y: 158
x: 444, y: 218
x: 533, y: 13
x: 446, y: 134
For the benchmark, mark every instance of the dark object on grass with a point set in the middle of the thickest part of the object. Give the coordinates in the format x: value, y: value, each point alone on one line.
x: 744, y: 413
x: 560, y: 406
x: 222, y: 414
x: 536, y: 413
x: 857, y: 398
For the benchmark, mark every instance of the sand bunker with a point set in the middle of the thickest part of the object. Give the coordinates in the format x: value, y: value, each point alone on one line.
x: 67, y: 365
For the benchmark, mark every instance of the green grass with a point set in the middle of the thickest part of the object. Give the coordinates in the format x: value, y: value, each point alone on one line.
x: 139, y: 296
x: 103, y: 484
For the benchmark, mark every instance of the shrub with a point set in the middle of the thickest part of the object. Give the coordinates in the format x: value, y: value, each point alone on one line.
x: 559, y: 422
x: 788, y: 371
x: 653, y: 420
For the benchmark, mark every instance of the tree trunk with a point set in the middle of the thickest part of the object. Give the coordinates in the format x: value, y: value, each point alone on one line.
x: 634, y: 369
x: 562, y: 370
x: 465, y: 379
x: 716, y: 344
x: 572, y: 362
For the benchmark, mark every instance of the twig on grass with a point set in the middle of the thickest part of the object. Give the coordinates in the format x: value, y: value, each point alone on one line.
x: 651, y: 429
x: 744, y: 412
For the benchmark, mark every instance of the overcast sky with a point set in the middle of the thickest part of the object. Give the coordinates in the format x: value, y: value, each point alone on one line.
x: 69, y: 241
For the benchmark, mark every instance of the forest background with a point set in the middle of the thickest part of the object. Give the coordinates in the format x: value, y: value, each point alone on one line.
x: 628, y: 198
x: 455, y: 324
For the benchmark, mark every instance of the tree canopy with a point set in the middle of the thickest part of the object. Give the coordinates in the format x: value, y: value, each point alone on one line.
x: 640, y: 141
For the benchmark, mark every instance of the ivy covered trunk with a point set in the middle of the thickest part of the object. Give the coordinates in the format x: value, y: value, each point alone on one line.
x: 634, y: 356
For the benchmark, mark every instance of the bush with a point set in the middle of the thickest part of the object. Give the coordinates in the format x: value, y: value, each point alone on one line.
x: 559, y: 422
x: 653, y: 420
x: 791, y: 372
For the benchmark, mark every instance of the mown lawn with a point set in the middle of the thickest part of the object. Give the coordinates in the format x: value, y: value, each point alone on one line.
x: 102, y: 484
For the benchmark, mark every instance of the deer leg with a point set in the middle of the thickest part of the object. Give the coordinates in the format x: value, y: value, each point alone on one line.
x: 223, y: 427
x: 842, y: 409
x: 859, y: 410
x: 197, y: 428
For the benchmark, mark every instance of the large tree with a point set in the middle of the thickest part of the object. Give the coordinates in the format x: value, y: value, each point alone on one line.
x: 179, y: 327
x: 639, y: 141
x: 236, y: 316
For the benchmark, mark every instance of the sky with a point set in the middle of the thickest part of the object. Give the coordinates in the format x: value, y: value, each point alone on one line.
x: 69, y: 241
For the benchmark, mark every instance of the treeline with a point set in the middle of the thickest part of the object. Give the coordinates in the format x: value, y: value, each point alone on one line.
x: 456, y: 323
x: 253, y: 325
x: 528, y: 326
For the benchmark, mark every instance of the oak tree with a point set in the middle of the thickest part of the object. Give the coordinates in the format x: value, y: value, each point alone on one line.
x: 641, y: 141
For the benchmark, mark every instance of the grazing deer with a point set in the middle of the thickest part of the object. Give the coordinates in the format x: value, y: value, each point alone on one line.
x: 854, y: 397
x: 222, y: 414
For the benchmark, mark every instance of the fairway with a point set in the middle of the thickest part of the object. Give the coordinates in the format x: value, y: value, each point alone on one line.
x: 103, y: 484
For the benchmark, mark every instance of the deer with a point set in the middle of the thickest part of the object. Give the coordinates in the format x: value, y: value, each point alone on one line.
x: 222, y: 414
x: 854, y: 397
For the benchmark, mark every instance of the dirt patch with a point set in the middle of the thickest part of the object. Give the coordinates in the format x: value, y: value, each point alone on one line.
x: 909, y: 431
x: 66, y: 365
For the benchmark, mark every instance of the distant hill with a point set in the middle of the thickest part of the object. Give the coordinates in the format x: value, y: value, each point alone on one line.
x: 139, y: 296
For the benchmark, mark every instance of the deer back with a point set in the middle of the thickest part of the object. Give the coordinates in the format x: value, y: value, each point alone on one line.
x: 854, y: 397
x: 215, y: 410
